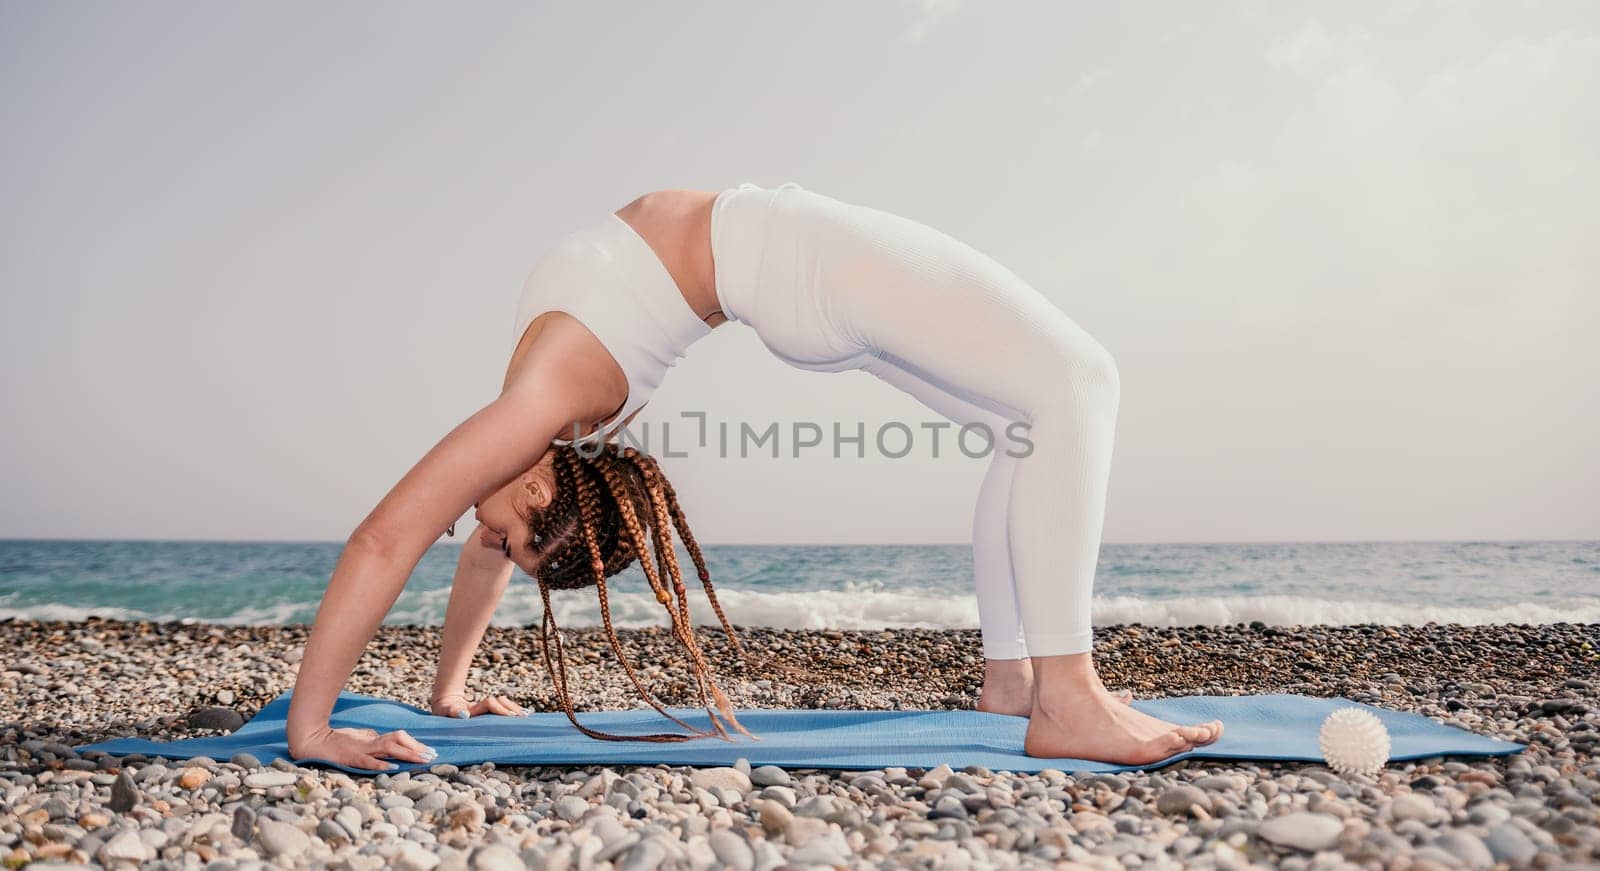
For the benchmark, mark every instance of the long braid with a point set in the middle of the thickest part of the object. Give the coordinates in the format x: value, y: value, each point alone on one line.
x: 666, y: 557
x: 665, y: 553
x: 588, y: 506
x: 550, y: 635
x: 682, y: 629
x: 584, y: 540
x: 681, y: 522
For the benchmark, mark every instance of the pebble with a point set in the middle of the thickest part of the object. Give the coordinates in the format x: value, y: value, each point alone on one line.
x: 713, y: 779
x: 243, y: 825
x: 770, y: 775
x: 1532, y: 809
x: 124, y: 848
x: 935, y: 777
x: 1411, y: 806
x: 1466, y: 847
x: 412, y: 856
x: 496, y: 857
x: 645, y: 856
x: 731, y: 850
x: 1507, y: 843
x: 269, y: 778
x: 825, y: 848
x: 1302, y: 831
x: 281, y: 839
x: 219, y: 719
x: 124, y: 795
x: 774, y: 816
x: 571, y: 808
x: 1179, y: 800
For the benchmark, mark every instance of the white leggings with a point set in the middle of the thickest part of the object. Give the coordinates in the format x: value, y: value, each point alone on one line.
x: 830, y: 286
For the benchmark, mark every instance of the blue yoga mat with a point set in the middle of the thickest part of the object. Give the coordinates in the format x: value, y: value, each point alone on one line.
x: 1269, y: 727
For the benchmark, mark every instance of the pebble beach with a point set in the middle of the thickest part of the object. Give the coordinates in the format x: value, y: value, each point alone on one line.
x: 64, y: 684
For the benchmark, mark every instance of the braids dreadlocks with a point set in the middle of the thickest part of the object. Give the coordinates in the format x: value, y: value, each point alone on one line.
x: 610, y: 506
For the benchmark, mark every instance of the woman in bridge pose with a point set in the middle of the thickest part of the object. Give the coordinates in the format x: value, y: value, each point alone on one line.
x: 827, y: 285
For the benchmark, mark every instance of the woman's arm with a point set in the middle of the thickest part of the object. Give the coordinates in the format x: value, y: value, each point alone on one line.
x: 482, y: 574
x: 558, y: 381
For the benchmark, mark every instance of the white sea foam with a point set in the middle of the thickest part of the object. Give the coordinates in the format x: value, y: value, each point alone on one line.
x: 52, y: 611
x: 876, y: 609
x: 836, y: 609
x: 1299, y: 610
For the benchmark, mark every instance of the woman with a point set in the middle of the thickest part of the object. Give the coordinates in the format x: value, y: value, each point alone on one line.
x: 827, y: 285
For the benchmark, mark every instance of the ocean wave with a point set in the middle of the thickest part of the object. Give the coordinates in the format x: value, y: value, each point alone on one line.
x: 861, y: 609
x: 1305, y: 611
x: 57, y: 612
x: 874, y: 609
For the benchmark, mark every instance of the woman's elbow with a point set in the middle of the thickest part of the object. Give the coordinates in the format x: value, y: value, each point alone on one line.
x: 372, y: 541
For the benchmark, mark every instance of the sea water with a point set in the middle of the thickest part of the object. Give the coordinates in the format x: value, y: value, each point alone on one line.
x: 844, y: 587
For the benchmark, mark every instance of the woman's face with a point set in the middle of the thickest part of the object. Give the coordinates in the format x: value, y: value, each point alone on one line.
x: 503, y: 515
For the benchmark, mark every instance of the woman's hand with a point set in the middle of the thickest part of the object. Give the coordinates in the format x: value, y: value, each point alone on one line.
x: 362, y: 748
x: 458, y: 705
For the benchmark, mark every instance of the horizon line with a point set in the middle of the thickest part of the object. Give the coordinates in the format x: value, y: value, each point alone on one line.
x: 458, y: 542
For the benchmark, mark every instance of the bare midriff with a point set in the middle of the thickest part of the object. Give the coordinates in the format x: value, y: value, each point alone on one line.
x: 677, y: 226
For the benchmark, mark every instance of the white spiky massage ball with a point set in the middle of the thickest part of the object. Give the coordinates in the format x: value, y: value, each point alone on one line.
x: 1353, y: 741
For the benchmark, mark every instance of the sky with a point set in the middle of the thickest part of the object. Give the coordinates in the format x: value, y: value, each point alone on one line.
x: 256, y: 259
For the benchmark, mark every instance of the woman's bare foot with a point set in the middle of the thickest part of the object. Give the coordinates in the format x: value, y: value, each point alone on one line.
x: 1008, y: 688
x: 1075, y: 716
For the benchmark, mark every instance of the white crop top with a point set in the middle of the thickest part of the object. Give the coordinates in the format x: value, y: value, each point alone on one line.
x: 610, y: 279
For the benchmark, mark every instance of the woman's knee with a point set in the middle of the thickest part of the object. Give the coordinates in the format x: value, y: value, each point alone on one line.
x: 1084, y: 383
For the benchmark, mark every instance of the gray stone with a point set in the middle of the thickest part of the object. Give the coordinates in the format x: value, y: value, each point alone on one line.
x: 1177, y: 800
x: 245, y: 761
x: 330, y: 830
x: 1219, y: 783
x: 124, y: 795
x: 770, y: 775
x: 244, y: 823
x: 1302, y: 831
x: 962, y: 783
x: 221, y: 719
x: 1507, y: 843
